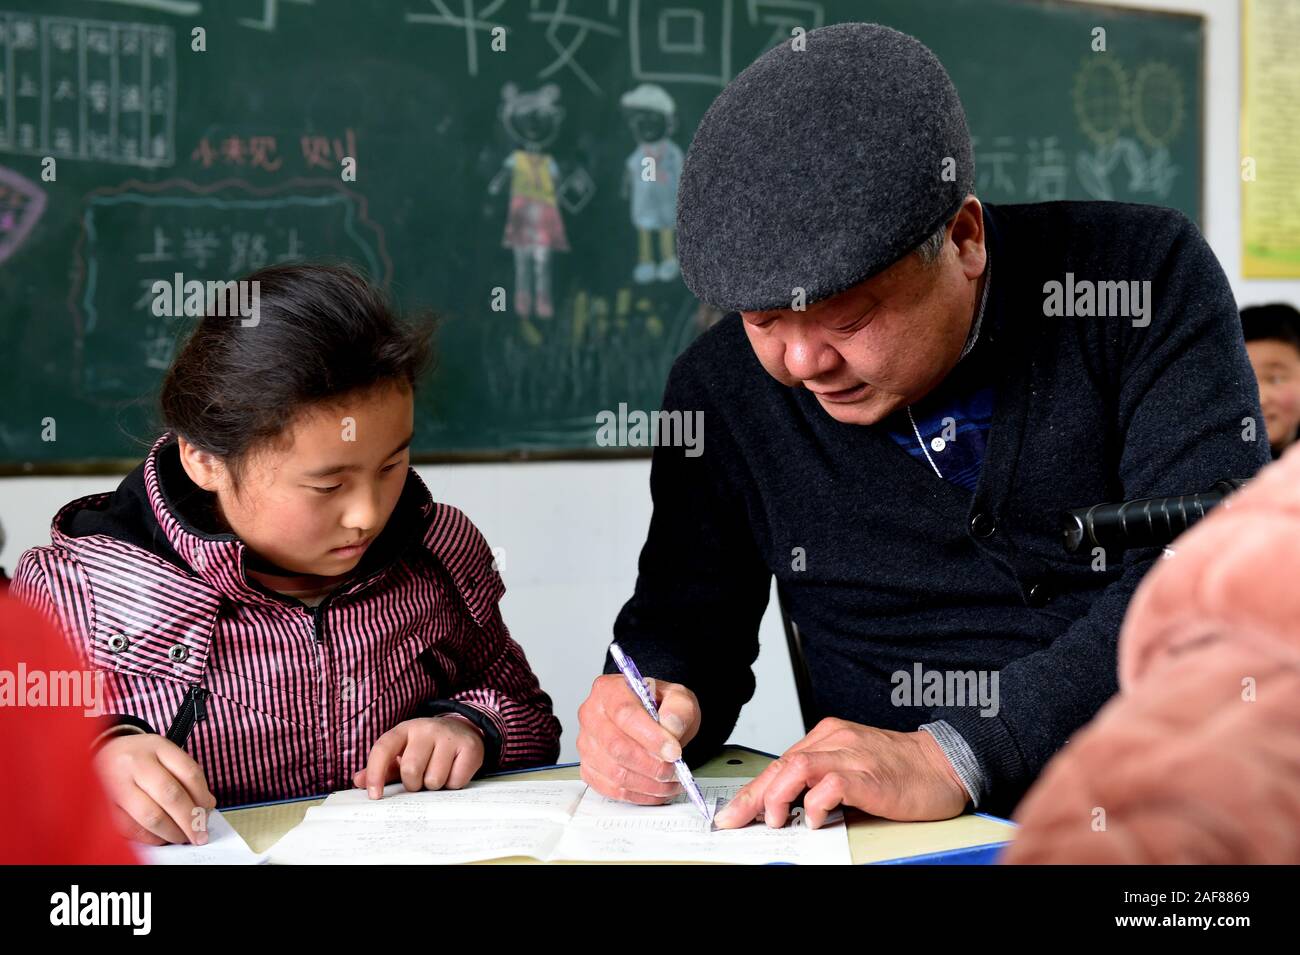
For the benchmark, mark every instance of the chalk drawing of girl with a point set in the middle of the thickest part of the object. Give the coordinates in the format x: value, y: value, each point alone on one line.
x: 534, y: 226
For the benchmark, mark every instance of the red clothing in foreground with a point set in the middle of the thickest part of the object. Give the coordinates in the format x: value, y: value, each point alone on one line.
x: 52, y: 806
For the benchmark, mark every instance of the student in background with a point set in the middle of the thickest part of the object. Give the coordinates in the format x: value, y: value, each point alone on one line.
x: 279, y: 606
x: 1273, y: 343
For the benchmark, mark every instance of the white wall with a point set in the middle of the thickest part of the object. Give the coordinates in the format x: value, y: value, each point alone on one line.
x: 572, y: 531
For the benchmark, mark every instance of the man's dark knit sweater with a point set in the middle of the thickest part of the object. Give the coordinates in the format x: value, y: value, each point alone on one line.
x: 901, y: 567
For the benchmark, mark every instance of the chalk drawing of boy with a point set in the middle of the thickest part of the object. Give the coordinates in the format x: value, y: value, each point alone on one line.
x: 651, y: 175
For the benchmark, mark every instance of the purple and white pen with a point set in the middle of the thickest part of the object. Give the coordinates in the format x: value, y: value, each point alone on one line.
x: 634, y: 680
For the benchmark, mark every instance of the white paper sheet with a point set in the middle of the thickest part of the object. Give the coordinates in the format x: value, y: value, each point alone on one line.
x: 716, y: 792
x: 603, y: 830
x: 554, y: 821
x: 225, y: 847
x: 410, y: 842
x: 488, y: 819
x: 481, y: 799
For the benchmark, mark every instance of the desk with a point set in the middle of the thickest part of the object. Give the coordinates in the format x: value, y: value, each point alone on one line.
x: 870, y: 839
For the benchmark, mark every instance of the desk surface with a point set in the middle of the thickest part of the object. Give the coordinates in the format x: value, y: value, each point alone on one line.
x: 870, y: 839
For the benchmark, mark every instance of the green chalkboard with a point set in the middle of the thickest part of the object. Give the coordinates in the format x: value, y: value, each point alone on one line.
x: 492, y: 143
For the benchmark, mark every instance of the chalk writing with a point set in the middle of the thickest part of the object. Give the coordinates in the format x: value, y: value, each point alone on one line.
x: 87, y: 89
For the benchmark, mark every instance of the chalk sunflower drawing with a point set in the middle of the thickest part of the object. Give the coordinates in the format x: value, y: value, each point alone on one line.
x: 1101, y: 99
x: 1158, y: 104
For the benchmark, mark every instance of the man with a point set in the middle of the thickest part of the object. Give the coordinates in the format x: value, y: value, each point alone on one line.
x: 914, y: 389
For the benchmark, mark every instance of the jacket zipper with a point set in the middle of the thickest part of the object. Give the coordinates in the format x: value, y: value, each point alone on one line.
x: 193, y: 710
x: 318, y: 621
x: 319, y: 631
x: 325, y: 766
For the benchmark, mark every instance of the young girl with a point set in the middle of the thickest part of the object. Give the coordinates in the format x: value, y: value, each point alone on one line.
x: 279, y: 606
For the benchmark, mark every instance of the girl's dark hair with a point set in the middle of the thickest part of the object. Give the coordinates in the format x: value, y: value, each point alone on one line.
x: 322, y: 332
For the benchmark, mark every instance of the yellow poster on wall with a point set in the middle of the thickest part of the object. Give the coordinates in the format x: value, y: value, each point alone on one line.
x: 1270, y: 139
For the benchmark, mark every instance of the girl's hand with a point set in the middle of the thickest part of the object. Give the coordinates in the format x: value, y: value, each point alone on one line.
x: 426, y: 753
x: 158, y: 793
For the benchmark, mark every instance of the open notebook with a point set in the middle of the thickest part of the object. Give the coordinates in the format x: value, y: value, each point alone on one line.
x: 552, y: 821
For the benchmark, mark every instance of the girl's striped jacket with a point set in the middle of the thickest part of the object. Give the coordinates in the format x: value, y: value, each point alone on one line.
x: 272, y: 698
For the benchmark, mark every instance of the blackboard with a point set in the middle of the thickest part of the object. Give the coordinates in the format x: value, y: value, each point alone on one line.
x: 211, y: 163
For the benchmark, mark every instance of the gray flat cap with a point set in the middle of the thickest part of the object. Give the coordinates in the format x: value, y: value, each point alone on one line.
x: 818, y: 168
